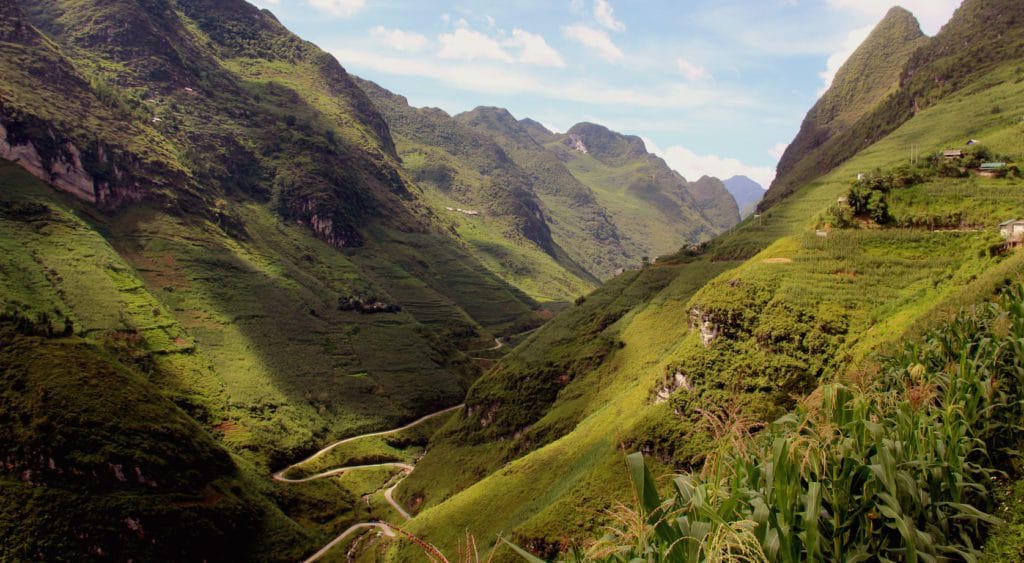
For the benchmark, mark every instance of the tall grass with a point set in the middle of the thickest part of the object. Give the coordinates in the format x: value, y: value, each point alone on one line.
x: 900, y: 466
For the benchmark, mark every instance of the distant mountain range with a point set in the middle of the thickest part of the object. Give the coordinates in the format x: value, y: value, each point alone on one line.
x: 746, y: 192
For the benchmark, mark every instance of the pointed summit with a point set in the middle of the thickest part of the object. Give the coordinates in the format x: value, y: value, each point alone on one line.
x: 870, y: 74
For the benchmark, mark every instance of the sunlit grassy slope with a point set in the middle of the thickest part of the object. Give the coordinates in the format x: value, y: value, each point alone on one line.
x: 242, y: 338
x: 799, y: 308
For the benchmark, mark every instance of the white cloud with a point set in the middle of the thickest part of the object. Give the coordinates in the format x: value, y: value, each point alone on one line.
x: 594, y: 39
x: 837, y: 59
x: 400, y: 40
x: 468, y: 45
x: 605, y: 15
x: 692, y: 165
x: 932, y: 14
x: 502, y: 80
x: 265, y: 3
x: 692, y: 72
x: 339, y: 8
x: 522, y: 47
x: 534, y: 50
x: 778, y: 150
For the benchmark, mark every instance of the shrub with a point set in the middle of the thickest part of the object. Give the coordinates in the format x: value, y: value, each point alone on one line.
x: 902, y: 468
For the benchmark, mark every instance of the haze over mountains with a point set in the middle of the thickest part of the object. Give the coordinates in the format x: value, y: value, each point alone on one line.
x: 746, y: 192
x: 220, y: 252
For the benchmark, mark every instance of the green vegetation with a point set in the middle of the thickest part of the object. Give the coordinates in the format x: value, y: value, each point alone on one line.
x: 247, y: 192
x: 654, y: 208
x: 867, y: 78
x: 265, y: 271
x: 977, y: 50
x: 901, y: 466
x: 790, y: 308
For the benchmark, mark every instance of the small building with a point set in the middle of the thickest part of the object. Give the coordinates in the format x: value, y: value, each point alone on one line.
x: 973, y: 142
x: 991, y: 169
x: 1012, y: 231
x: 952, y: 154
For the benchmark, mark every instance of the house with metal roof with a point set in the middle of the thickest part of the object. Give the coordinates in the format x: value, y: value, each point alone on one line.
x: 991, y: 169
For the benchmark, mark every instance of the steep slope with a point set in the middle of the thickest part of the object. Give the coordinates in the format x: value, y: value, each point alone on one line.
x: 714, y: 201
x: 653, y: 206
x: 982, y: 36
x: 675, y: 359
x: 579, y: 222
x: 463, y: 169
x: 231, y: 239
x: 868, y: 77
x: 746, y: 192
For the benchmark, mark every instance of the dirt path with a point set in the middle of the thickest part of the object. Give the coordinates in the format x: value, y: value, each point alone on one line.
x: 279, y: 476
x: 351, y: 530
x: 388, y: 494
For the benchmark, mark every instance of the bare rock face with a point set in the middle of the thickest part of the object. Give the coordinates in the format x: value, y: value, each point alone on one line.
x: 62, y: 167
x: 675, y: 383
x: 64, y: 172
x: 709, y: 329
x: 576, y: 142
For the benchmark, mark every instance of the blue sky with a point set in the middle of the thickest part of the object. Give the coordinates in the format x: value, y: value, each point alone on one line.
x: 715, y: 87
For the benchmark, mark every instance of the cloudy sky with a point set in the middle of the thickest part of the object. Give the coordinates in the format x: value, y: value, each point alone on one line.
x: 716, y: 87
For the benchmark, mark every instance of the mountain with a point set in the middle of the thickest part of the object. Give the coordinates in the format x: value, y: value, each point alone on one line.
x: 590, y: 233
x: 588, y: 230
x: 912, y: 73
x: 686, y: 359
x: 864, y: 81
x: 221, y: 251
x: 714, y: 200
x: 746, y: 192
x: 213, y: 263
x: 653, y: 206
x: 508, y: 225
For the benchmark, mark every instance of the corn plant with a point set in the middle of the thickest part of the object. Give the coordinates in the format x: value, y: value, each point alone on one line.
x: 901, y: 470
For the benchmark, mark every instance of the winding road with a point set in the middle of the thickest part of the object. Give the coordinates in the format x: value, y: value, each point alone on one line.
x: 388, y: 494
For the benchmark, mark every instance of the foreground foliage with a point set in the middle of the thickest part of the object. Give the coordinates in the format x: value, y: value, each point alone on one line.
x: 901, y: 467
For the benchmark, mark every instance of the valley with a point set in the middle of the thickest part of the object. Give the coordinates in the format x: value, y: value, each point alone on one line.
x: 254, y: 307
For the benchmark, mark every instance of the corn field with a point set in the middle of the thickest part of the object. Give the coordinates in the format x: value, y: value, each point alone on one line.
x: 898, y: 468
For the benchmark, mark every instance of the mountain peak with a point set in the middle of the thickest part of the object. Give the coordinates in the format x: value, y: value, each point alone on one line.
x: 498, y: 121
x: 606, y: 145
x: 864, y: 81
x: 537, y: 130
x: 746, y: 192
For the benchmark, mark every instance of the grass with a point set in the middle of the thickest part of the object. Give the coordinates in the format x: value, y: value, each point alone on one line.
x: 216, y: 324
x: 905, y: 466
x: 879, y: 285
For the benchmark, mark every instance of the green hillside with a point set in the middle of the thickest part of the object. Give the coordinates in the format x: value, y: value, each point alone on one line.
x: 220, y: 253
x: 233, y: 243
x: 982, y: 36
x: 463, y: 171
x: 785, y: 307
x: 588, y: 230
x: 868, y: 77
x: 654, y: 207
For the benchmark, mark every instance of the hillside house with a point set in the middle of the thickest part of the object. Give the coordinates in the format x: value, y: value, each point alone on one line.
x: 991, y: 169
x: 953, y: 154
x: 1012, y: 231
